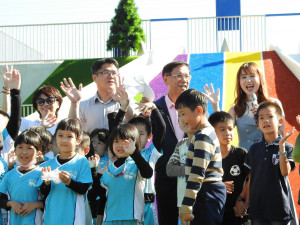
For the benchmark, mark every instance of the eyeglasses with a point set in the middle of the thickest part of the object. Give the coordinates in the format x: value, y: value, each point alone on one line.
x: 180, y: 76
x: 49, y: 101
x: 107, y: 73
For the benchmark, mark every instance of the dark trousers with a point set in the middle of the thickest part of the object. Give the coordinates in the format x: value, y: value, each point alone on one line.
x: 166, y: 199
x: 209, y: 206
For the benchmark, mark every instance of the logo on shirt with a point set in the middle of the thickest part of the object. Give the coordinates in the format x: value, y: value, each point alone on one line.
x: 235, y: 170
x: 32, y: 183
x: 275, y: 159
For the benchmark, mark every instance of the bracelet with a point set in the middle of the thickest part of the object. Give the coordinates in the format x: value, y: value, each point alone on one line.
x: 6, y: 89
x: 240, y: 199
x: 282, y: 153
x: 4, y: 92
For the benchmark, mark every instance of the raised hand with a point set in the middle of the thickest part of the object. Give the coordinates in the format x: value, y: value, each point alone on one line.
x: 49, y: 120
x: 119, y: 94
x: 145, y: 107
x: 70, y: 90
x: 11, y: 78
x: 129, y: 146
x: 284, y: 139
x: 211, y: 96
x: 94, y: 160
x: 45, y: 171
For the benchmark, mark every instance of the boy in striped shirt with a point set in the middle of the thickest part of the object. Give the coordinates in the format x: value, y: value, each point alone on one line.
x: 205, y: 193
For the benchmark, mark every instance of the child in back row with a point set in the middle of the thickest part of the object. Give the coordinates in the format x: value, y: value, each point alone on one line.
x: 235, y: 175
x: 205, y: 192
x: 269, y: 162
x: 18, y: 190
x: 65, y: 200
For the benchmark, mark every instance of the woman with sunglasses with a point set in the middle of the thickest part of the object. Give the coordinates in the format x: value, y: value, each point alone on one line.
x: 46, y: 101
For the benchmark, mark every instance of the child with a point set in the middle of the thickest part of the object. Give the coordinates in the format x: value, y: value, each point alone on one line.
x: 3, y: 171
x: 150, y: 154
x: 269, y: 162
x: 84, y: 147
x: 65, y: 201
x: 19, y: 184
x: 205, y: 192
x: 250, y: 81
x: 233, y: 159
x: 176, y: 164
x: 98, y: 146
x: 124, y: 178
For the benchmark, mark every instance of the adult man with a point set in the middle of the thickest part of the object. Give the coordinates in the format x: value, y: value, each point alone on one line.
x: 93, y: 111
x: 176, y: 76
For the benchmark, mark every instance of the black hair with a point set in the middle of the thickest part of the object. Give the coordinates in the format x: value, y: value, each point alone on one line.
x: 170, y: 66
x: 191, y: 98
x: 98, y: 64
x: 220, y: 117
x: 143, y: 121
x: 267, y: 104
x: 85, y: 139
x: 71, y: 125
x: 125, y: 132
x: 102, y: 135
x: 31, y: 138
x: 45, y: 135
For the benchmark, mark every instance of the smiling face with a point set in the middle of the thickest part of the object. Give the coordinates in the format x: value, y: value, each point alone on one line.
x: 66, y: 141
x: 225, y: 132
x: 268, y: 121
x: 47, y: 108
x: 104, y: 82
x: 175, y: 85
x: 249, y: 82
x: 25, y: 153
x: 189, y: 120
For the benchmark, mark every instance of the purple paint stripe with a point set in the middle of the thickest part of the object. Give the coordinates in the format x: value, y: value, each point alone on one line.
x: 157, y: 84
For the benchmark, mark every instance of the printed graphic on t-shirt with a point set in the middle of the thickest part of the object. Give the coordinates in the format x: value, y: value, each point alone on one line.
x: 235, y: 170
x: 275, y: 159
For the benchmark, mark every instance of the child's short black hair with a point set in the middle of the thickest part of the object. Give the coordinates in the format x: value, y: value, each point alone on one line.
x: 31, y: 138
x: 102, y: 135
x: 141, y: 120
x: 125, y: 132
x: 220, y: 117
x: 267, y: 104
x: 45, y: 135
x: 85, y: 139
x: 71, y: 125
x: 191, y: 98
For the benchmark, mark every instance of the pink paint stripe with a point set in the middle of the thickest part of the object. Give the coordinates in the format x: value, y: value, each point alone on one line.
x: 157, y: 84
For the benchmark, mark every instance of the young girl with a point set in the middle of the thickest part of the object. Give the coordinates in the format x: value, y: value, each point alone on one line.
x: 65, y: 201
x: 249, y: 81
x: 20, y: 183
x: 124, y: 178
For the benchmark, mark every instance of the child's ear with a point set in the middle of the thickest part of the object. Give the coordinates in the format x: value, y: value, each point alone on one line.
x: 149, y: 137
x: 281, y: 121
x: 199, y: 110
x: 78, y: 141
x: 86, y: 150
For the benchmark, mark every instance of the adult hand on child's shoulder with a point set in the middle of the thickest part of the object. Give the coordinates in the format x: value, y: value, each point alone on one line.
x: 186, y: 217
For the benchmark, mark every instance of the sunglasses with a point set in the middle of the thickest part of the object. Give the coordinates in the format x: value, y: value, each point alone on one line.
x: 49, y: 101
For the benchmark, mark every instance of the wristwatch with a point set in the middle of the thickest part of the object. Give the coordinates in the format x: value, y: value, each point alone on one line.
x: 240, y: 199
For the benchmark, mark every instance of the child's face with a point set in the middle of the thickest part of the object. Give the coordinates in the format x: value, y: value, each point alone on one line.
x: 268, y: 121
x: 143, y: 135
x: 188, y: 119
x: 99, y: 146
x: 225, y: 132
x: 25, y: 153
x: 66, y: 141
x: 118, y: 148
x: 249, y: 82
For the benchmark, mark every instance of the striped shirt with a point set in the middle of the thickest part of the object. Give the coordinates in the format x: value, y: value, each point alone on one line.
x: 203, y: 164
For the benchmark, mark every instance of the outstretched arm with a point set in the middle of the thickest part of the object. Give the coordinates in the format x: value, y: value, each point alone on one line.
x: 212, y: 97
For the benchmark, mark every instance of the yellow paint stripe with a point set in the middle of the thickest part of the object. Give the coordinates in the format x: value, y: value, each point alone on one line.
x: 233, y: 61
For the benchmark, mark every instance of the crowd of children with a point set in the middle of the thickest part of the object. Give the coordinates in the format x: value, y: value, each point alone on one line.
x: 59, y: 174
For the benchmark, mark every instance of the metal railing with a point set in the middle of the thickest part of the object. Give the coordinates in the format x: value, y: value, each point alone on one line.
x: 198, y: 35
x: 27, y: 109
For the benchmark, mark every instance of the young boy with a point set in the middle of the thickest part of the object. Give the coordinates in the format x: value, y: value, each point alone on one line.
x: 269, y: 162
x: 176, y: 163
x: 205, y: 193
x: 150, y: 154
x: 233, y: 159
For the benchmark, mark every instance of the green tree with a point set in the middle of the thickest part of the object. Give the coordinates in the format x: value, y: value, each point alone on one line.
x: 126, y: 32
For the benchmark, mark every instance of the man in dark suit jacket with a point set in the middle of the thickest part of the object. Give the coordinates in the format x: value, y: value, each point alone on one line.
x: 176, y: 76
